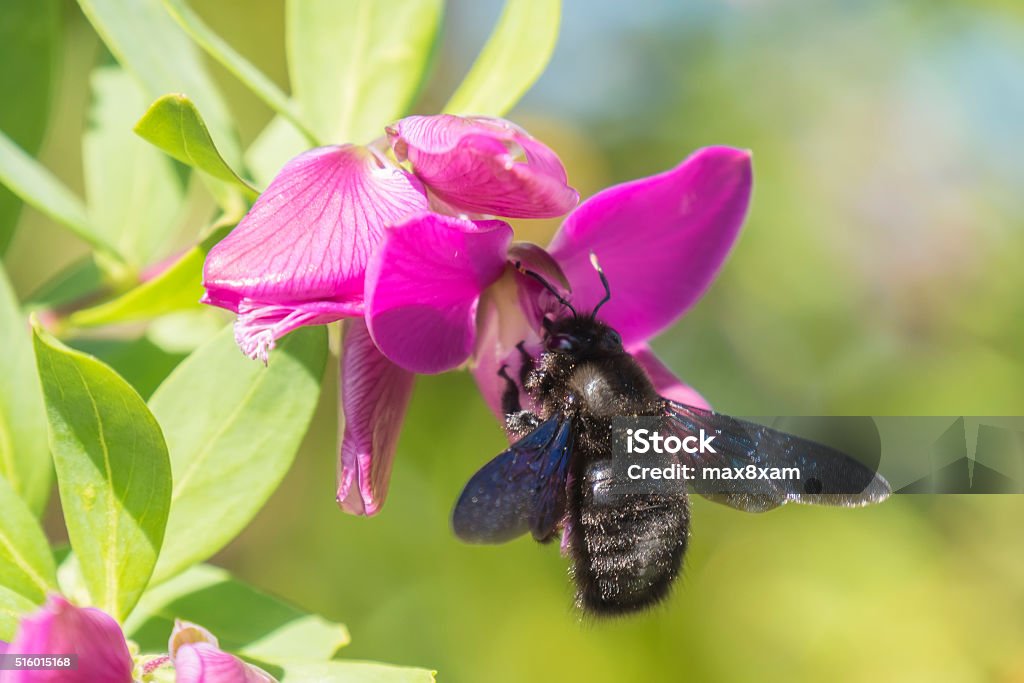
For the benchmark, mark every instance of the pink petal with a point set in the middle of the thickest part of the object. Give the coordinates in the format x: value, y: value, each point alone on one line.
x: 473, y: 164
x: 204, y: 663
x: 60, y: 628
x: 374, y: 395
x: 664, y: 380
x: 423, y: 285
x: 535, y: 299
x: 660, y: 240
x: 305, y: 243
x: 502, y: 323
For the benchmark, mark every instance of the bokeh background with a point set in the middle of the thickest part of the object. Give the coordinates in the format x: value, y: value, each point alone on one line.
x: 881, y: 271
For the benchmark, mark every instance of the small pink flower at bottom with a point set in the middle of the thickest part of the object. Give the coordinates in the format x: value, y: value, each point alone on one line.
x: 197, y: 658
x: 60, y: 628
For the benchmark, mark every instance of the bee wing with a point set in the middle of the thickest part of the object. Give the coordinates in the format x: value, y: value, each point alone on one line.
x: 826, y: 476
x: 522, y: 489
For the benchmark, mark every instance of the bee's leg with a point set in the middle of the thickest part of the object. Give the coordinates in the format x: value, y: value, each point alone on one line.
x: 518, y: 422
x: 526, y: 369
x: 510, y: 397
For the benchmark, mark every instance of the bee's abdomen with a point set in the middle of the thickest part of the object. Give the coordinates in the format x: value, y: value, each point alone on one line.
x: 628, y: 548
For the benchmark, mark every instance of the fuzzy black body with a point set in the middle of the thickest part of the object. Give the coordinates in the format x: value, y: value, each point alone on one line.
x: 627, y: 548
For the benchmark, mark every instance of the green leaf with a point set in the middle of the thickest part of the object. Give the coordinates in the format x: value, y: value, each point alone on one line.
x: 512, y: 60
x: 26, y: 565
x: 278, y: 142
x: 113, y: 473
x: 24, y: 453
x: 147, y: 42
x: 138, y: 361
x: 177, y: 288
x: 31, y: 181
x: 81, y: 278
x: 244, y: 620
x: 355, y: 65
x: 30, y: 41
x: 133, y: 192
x: 233, y: 427
x: 354, y: 672
x: 173, y: 124
x: 12, y: 607
x: 239, y: 66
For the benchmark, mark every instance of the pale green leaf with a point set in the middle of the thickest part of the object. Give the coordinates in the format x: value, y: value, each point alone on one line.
x: 173, y: 124
x: 278, y: 142
x: 30, y: 41
x: 31, y: 181
x: 26, y: 565
x: 242, y: 68
x: 133, y: 192
x: 176, y: 288
x: 68, y: 285
x: 512, y: 60
x: 233, y: 427
x: 147, y: 41
x: 356, y: 65
x: 113, y: 473
x: 24, y: 453
x: 244, y: 620
x: 12, y: 607
x: 351, y: 672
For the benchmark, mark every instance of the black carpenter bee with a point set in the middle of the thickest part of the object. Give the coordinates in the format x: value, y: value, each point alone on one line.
x: 626, y: 547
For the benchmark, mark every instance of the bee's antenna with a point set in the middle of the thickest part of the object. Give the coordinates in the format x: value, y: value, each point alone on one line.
x: 547, y: 285
x: 604, y: 281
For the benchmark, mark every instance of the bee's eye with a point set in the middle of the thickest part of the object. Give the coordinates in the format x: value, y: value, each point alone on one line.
x: 614, y: 339
x: 562, y: 342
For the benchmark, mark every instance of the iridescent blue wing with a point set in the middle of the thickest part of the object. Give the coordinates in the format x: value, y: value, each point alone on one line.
x: 824, y: 475
x: 523, y: 489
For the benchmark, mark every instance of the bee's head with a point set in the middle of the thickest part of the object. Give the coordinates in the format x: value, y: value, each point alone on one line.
x: 582, y: 337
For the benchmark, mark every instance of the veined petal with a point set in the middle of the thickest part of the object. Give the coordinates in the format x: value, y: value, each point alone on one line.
x: 58, y: 628
x: 204, y: 663
x: 487, y: 166
x: 305, y: 243
x: 374, y: 396
x: 423, y: 285
x: 660, y: 240
x: 664, y: 380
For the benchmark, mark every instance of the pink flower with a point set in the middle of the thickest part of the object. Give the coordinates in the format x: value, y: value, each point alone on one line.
x: 484, y: 166
x: 198, y: 658
x: 302, y: 256
x: 60, y: 628
x: 660, y: 241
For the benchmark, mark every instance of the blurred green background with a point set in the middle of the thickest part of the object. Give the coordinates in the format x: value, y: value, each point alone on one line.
x: 880, y: 272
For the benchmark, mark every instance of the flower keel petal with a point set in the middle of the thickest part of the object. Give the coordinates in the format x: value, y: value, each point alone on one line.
x: 374, y: 396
